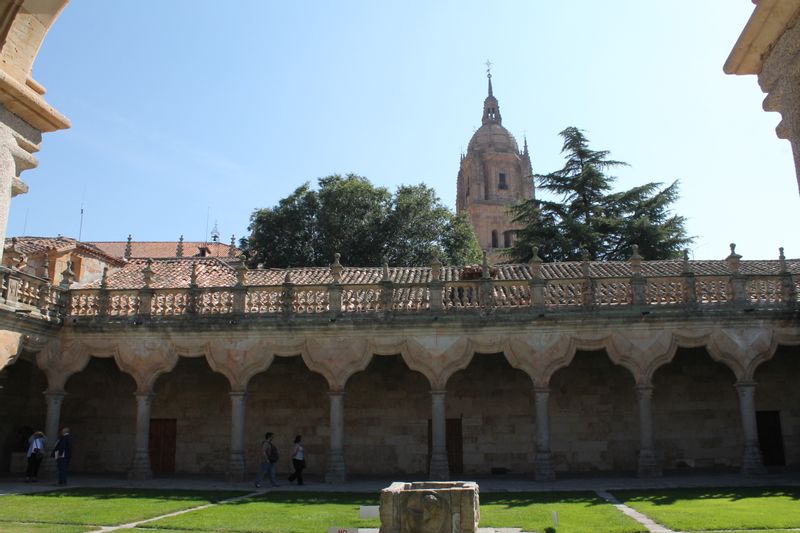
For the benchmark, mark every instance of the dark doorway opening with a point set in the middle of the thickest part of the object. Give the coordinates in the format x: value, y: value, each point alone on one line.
x: 454, y: 442
x: 770, y: 437
x: 163, y: 436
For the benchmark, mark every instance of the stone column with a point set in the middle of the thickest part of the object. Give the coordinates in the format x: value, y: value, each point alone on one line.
x: 336, y: 472
x: 236, y: 463
x: 648, y: 463
x: 140, y: 468
x: 54, y: 401
x: 8, y: 171
x: 543, y: 463
x: 439, y: 467
x: 752, y: 462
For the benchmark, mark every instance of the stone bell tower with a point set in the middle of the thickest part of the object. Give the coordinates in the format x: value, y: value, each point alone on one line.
x: 494, y: 175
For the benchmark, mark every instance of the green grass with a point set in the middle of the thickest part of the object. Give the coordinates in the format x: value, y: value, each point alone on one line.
x: 278, y: 512
x: 578, y: 512
x: 721, y: 509
x: 100, y: 506
x: 20, y: 527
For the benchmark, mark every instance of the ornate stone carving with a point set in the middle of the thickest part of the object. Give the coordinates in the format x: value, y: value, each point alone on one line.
x: 540, y: 356
x: 10, y: 346
x: 337, y: 358
x: 239, y: 360
x: 60, y: 360
x: 145, y: 360
x: 742, y: 349
x: 438, y: 357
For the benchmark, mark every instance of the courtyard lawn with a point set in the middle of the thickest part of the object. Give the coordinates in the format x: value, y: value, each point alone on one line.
x: 578, y: 512
x: 720, y: 509
x: 277, y: 512
x: 95, y: 506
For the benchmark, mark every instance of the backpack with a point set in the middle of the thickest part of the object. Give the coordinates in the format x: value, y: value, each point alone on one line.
x: 272, y: 454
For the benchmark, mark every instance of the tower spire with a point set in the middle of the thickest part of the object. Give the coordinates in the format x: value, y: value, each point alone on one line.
x: 491, y: 109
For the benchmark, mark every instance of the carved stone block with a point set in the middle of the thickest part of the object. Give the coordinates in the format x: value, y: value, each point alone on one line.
x: 430, y: 507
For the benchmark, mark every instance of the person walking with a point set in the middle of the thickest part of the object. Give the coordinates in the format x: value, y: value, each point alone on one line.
x: 298, y: 460
x: 63, y: 453
x: 36, y: 445
x: 269, y: 456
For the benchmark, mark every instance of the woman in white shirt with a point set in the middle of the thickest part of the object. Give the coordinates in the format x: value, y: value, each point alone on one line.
x: 36, y: 443
x: 298, y: 461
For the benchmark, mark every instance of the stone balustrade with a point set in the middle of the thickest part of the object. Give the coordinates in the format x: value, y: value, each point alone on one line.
x: 30, y: 295
x: 532, y: 293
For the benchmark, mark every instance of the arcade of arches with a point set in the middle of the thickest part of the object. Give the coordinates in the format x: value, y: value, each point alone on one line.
x: 538, y: 404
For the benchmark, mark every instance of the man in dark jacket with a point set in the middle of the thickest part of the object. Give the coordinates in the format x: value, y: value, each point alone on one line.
x: 63, y: 453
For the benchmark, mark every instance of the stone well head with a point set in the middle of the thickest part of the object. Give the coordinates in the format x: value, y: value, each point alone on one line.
x: 430, y: 507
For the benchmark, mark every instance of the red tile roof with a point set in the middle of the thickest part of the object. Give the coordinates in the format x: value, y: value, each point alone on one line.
x: 165, y: 248
x: 222, y: 272
x: 41, y: 245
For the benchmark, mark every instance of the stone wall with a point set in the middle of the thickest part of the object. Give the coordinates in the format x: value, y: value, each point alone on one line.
x: 778, y: 390
x: 593, y: 418
x: 696, y: 413
x: 100, y: 410
x: 198, y: 399
x: 386, y: 414
x: 495, y: 402
x: 288, y: 399
x: 22, y: 407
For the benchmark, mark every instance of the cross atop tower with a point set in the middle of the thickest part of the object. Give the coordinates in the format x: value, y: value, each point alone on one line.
x: 488, y: 69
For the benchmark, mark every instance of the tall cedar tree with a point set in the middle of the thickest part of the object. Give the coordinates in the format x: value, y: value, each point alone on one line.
x: 364, y: 223
x: 590, y: 217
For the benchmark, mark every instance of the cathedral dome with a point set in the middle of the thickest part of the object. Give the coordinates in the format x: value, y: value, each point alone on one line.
x: 492, y: 136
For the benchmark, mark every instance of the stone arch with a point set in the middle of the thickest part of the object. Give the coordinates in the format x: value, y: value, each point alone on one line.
x: 22, y: 410
x: 337, y: 358
x: 696, y: 412
x: 437, y: 357
x: 777, y: 406
x: 593, y: 411
x: 496, y: 418
x: 741, y: 349
x: 539, y: 356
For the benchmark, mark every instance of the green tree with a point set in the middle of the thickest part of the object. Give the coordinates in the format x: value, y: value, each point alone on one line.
x: 363, y: 223
x: 589, y: 217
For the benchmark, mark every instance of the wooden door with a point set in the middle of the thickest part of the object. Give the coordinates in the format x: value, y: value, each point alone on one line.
x: 163, y: 437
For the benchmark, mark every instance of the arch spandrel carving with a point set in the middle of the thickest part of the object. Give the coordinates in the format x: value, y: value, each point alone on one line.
x: 742, y: 349
x: 438, y: 357
x: 239, y: 360
x: 145, y: 360
x: 60, y: 360
x: 641, y: 352
x: 337, y: 358
x: 10, y: 347
x: 540, y: 356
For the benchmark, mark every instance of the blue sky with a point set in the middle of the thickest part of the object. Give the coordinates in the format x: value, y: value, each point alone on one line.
x: 188, y: 111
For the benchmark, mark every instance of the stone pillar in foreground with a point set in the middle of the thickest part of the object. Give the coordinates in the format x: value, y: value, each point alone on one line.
x: 439, y: 467
x: 336, y: 472
x: 752, y: 463
x: 648, y: 463
x: 54, y: 400
x: 543, y: 465
x: 140, y: 468
x: 236, y: 462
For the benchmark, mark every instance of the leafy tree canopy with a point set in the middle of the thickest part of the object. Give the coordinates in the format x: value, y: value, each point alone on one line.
x: 362, y: 222
x: 588, y: 216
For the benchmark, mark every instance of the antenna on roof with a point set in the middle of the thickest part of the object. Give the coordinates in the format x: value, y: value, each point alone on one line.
x: 208, y: 215
x: 80, y: 227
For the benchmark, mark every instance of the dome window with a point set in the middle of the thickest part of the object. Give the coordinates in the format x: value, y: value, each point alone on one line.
x: 502, y: 183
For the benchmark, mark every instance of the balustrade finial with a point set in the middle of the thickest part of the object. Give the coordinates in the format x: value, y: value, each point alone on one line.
x: 232, y: 247
x: 436, y: 269
x: 148, y: 273
x: 336, y: 268
x: 129, y: 247
x: 179, y: 248
x: 193, y: 278
x: 585, y: 263
x: 104, y: 279
x: 241, y: 272
x: 287, y: 278
x: 385, y: 266
x: 68, y: 276
x: 685, y: 268
x: 535, y: 263
x: 485, y: 266
x: 636, y: 260
x: 782, y: 260
x: 733, y: 259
